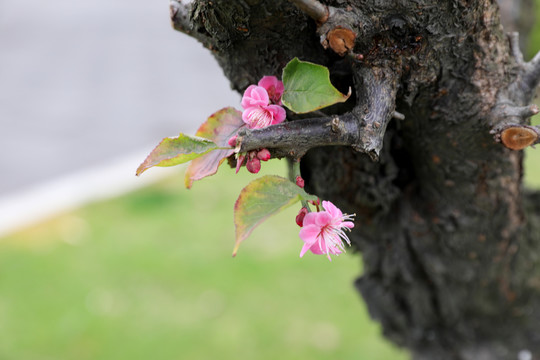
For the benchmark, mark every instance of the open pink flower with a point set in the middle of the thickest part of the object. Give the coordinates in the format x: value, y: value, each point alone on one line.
x: 274, y: 87
x: 323, y: 231
x: 258, y: 111
x: 257, y: 117
x: 255, y: 96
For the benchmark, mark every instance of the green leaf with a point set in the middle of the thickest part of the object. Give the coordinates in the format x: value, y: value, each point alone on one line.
x: 219, y: 128
x: 175, y: 151
x: 308, y: 87
x: 263, y: 197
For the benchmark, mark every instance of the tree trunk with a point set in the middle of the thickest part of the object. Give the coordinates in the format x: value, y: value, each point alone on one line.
x: 449, y: 238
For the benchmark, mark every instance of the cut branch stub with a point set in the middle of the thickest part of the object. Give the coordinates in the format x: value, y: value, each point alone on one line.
x: 343, y: 28
x: 511, y: 129
x: 340, y: 40
x: 519, y: 137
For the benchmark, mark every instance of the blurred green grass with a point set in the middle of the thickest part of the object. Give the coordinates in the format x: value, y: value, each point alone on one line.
x: 150, y: 275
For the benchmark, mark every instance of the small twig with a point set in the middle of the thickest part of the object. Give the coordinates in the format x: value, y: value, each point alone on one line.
x: 507, y: 114
x: 314, y: 9
x: 513, y: 37
x: 520, y: 111
x: 531, y: 75
x: 398, y: 115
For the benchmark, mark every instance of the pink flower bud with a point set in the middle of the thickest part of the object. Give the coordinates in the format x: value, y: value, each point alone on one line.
x: 253, y: 165
x: 274, y: 88
x: 232, y: 141
x: 300, y: 217
x: 264, y: 155
x: 300, y: 181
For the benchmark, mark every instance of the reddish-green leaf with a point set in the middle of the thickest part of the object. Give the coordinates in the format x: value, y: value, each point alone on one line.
x: 261, y: 198
x: 308, y: 87
x: 219, y: 128
x: 175, y: 151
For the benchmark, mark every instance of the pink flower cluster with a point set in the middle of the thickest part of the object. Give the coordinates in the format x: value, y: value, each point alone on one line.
x: 262, y: 108
x: 262, y: 102
x: 323, y: 231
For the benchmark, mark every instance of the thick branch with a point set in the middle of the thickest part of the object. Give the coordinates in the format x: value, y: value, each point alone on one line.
x: 376, y: 98
x: 363, y: 129
x: 295, y: 138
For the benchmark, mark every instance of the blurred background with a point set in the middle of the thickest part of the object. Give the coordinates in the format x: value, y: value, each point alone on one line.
x: 98, y: 264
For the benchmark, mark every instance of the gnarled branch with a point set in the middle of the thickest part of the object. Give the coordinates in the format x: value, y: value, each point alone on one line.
x: 376, y: 89
x: 363, y: 129
x: 293, y: 139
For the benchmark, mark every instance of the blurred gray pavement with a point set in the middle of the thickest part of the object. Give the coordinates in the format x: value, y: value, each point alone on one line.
x: 83, y: 83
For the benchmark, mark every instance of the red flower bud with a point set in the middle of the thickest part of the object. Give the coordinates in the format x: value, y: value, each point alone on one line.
x: 253, y: 165
x: 300, y: 217
x: 300, y: 181
x: 264, y: 155
x: 232, y: 141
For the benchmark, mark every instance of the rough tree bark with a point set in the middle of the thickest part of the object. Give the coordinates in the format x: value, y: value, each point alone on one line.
x: 450, y: 239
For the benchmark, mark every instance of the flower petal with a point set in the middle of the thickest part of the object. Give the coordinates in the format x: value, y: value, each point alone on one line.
x: 304, y: 250
x: 274, y: 87
x: 255, y: 96
x: 256, y: 117
x: 309, y: 233
x: 347, y: 224
x: 309, y: 219
x: 278, y: 113
x: 316, y: 248
x: 323, y: 219
x: 332, y: 209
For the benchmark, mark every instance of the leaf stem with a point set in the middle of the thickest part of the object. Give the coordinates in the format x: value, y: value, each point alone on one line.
x: 293, y: 174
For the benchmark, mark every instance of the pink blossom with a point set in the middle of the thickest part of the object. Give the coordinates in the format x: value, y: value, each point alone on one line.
x: 255, y: 96
x: 257, y: 117
x: 323, y: 231
x: 274, y: 87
